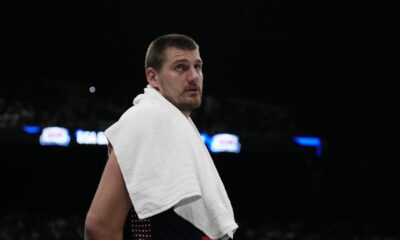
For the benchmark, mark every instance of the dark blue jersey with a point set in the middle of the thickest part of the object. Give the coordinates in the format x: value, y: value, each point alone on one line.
x: 164, y: 226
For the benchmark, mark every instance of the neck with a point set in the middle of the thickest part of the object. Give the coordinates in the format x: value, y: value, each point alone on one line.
x: 186, y: 113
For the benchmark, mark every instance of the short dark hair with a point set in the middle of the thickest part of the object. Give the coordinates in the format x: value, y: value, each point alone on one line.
x: 155, y: 51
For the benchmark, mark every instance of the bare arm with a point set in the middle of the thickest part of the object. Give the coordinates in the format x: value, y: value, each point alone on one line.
x: 108, y: 211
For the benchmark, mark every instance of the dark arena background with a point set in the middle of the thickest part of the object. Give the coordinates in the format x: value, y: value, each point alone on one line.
x: 274, y: 71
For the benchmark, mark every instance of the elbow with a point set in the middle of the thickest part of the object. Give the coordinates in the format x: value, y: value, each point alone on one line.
x: 98, y: 229
x: 93, y: 228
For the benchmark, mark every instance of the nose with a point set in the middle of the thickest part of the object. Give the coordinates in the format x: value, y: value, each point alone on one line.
x: 194, y: 74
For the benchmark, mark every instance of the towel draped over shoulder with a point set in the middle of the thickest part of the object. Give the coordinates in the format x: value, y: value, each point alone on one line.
x: 165, y: 164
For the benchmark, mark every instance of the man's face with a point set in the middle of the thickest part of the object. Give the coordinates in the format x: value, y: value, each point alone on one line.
x: 180, y: 79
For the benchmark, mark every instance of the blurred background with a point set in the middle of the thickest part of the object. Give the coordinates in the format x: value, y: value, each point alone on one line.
x: 274, y: 71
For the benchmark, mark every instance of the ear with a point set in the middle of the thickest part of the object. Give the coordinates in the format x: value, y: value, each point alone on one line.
x: 151, y: 76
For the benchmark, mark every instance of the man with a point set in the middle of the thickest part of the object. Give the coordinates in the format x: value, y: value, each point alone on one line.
x: 158, y: 166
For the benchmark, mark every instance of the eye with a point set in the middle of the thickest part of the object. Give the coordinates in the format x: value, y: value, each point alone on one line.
x: 198, y: 67
x: 181, y: 67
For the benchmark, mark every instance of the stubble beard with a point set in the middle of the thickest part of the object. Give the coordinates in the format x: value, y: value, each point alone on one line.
x: 186, y: 106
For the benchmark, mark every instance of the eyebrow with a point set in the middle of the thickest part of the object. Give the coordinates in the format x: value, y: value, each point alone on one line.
x: 184, y: 60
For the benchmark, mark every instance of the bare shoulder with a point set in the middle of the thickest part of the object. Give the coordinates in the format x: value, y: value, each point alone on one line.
x: 110, y: 149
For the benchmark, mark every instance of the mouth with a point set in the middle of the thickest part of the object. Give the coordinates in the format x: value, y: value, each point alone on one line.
x: 193, y: 90
x: 192, y: 93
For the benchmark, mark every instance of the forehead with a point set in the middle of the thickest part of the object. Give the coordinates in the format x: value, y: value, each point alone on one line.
x: 173, y: 54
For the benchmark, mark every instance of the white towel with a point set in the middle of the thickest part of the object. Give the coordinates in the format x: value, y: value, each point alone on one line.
x: 165, y: 164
